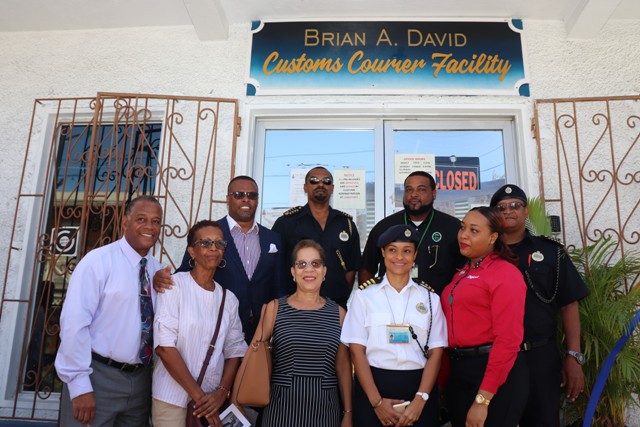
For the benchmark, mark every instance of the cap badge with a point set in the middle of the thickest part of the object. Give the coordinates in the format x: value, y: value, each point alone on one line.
x: 407, y: 233
x: 436, y: 237
x: 421, y: 308
x: 537, y: 256
x: 508, y: 190
x: 344, y: 236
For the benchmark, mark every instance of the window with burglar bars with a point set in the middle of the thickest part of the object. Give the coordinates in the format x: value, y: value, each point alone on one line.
x: 85, y: 159
x: 588, y: 154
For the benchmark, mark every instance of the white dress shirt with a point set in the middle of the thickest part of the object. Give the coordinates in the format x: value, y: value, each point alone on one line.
x: 374, y: 308
x: 185, y: 319
x: 101, y: 313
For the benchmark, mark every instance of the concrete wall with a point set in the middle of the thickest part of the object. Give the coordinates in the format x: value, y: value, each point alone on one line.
x: 172, y: 60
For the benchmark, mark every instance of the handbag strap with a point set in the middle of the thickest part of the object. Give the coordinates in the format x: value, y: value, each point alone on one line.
x: 212, y: 346
x: 273, y: 323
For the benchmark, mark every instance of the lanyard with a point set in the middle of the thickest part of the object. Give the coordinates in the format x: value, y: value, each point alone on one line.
x: 424, y: 233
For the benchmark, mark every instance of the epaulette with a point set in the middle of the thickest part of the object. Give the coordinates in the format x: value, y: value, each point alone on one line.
x: 424, y: 285
x: 293, y: 211
x: 558, y: 242
x: 372, y: 281
x: 344, y: 214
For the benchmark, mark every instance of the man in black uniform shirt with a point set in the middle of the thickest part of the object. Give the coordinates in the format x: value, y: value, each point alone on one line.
x: 554, y: 285
x: 438, y: 250
x: 334, y: 230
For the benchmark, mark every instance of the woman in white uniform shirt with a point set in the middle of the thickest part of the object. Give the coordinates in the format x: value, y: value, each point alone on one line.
x: 396, y: 333
x: 183, y: 328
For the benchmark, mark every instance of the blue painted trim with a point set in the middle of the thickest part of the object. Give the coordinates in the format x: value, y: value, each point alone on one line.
x: 251, y: 90
x: 523, y: 90
x: 517, y: 23
x: 255, y: 25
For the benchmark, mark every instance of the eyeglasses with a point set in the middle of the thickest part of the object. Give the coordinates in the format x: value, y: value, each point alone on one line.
x: 315, y: 180
x: 514, y: 206
x: 302, y: 264
x: 239, y: 195
x: 207, y: 243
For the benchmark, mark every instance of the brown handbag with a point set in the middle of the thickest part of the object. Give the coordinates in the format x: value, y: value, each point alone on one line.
x: 192, y: 420
x: 253, y: 380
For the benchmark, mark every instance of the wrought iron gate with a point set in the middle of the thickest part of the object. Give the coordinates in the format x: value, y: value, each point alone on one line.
x: 85, y: 158
x: 589, y: 157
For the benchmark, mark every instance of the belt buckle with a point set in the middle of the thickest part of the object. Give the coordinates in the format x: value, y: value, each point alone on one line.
x: 526, y: 346
x: 124, y: 367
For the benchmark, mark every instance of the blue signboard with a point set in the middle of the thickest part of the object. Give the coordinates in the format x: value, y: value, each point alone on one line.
x: 434, y: 57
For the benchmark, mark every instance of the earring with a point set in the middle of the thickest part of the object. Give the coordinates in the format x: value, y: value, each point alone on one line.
x: 192, y: 263
x: 223, y: 263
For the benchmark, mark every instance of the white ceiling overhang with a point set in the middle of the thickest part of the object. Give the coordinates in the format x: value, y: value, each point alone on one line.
x: 211, y: 18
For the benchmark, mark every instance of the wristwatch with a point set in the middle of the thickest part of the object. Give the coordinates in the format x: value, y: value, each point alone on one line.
x: 423, y: 394
x: 577, y: 355
x: 481, y: 400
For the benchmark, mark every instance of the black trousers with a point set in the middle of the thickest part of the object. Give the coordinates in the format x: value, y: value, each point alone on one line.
x: 507, y: 405
x: 401, y: 385
x: 543, y: 406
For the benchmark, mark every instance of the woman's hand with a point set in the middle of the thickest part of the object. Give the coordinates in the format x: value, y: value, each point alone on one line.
x: 385, y: 412
x: 411, y: 413
x: 347, y: 419
x: 477, y: 415
x: 210, y: 403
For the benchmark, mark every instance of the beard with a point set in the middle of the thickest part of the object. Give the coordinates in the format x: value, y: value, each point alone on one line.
x: 419, y: 211
x: 320, y: 195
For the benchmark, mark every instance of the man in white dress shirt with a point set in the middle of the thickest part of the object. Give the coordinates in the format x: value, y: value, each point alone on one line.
x: 106, y: 381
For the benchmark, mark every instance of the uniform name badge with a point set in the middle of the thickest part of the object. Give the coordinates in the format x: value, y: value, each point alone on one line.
x: 398, y: 334
x: 414, y: 271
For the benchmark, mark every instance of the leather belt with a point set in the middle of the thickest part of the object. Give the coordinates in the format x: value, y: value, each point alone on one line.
x: 126, y: 367
x: 462, y: 352
x: 530, y: 345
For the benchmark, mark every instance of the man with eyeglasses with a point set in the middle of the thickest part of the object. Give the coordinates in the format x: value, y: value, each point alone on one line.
x: 554, y: 285
x: 334, y: 230
x: 253, y: 260
x: 438, y: 251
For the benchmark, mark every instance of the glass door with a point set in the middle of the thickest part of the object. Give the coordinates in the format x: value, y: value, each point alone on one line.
x: 470, y: 160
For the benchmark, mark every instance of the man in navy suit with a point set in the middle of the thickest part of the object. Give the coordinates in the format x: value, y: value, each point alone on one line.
x: 253, y: 259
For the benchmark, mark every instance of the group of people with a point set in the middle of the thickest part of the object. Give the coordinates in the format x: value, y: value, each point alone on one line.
x: 467, y: 308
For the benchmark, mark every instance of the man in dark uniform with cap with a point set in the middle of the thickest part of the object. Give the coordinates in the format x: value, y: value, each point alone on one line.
x: 554, y: 285
x: 438, y: 251
x: 334, y: 230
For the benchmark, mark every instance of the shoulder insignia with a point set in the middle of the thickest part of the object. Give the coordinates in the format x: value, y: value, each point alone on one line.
x: 552, y: 240
x: 424, y: 285
x: 293, y: 211
x: 344, y: 214
x: 372, y: 281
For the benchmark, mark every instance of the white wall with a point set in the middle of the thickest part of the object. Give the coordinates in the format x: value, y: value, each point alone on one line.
x: 173, y: 61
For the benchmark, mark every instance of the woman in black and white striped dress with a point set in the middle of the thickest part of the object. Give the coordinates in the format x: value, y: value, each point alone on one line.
x: 311, y: 368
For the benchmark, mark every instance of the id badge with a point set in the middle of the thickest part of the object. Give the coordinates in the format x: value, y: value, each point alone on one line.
x: 398, y: 334
x: 414, y: 272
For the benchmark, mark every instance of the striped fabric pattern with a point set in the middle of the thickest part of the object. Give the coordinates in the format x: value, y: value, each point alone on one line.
x: 304, y: 386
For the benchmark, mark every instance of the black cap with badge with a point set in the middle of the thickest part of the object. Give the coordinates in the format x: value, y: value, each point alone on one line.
x: 508, y: 191
x: 398, y: 233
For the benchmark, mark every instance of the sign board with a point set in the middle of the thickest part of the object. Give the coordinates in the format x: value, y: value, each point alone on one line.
x: 457, y: 173
x: 366, y: 57
x: 66, y: 241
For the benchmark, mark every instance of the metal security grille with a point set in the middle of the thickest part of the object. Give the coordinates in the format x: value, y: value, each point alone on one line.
x: 589, y: 157
x: 85, y: 159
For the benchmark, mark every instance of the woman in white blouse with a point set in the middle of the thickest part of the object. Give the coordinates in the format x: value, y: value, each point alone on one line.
x: 184, y: 323
x: 396, y: 333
